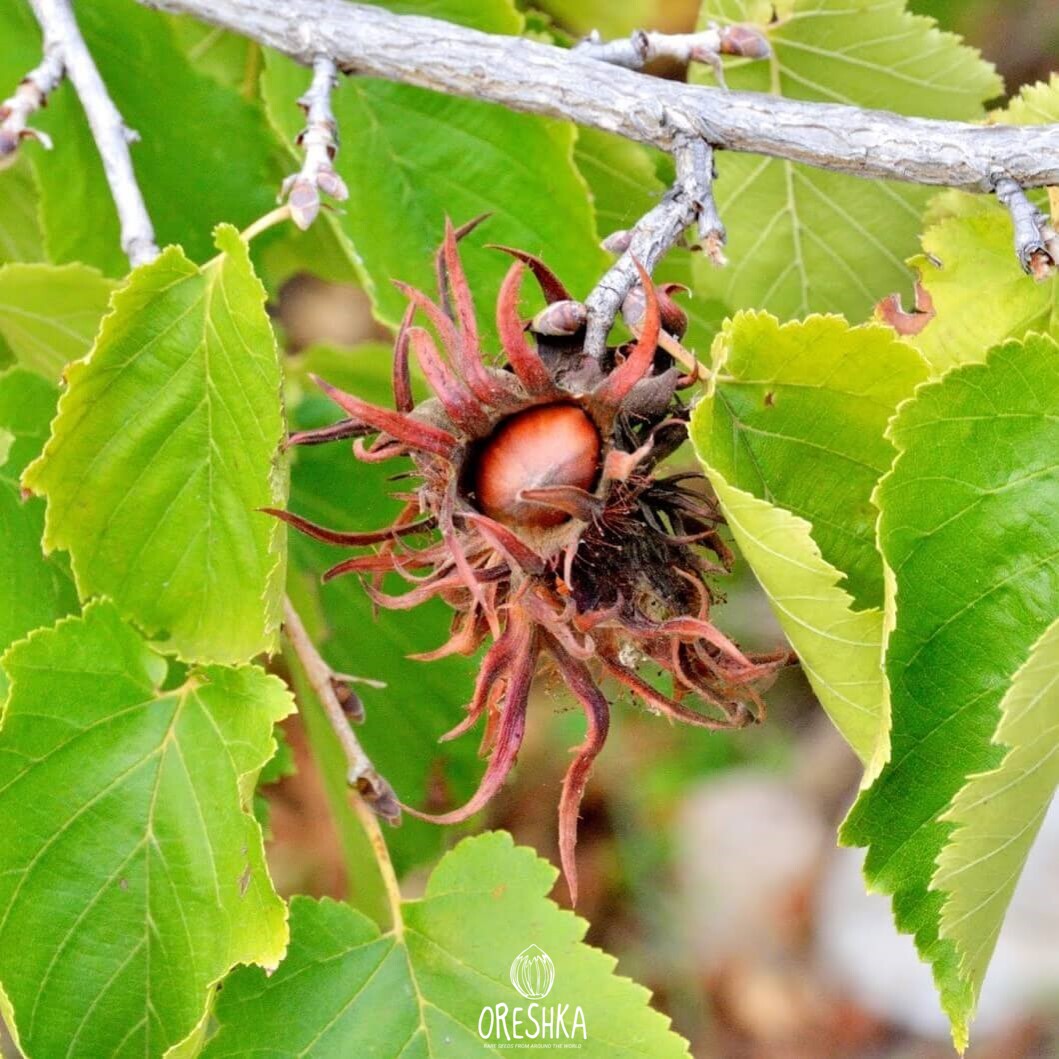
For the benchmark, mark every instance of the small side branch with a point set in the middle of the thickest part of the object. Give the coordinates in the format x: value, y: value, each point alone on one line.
x: 707, y: 46
x: 64, y: 44
x: 689, y: 201
x: 32, y: 94
x: 341, y: 704
x: 319, y: 138
x: 1036, y: 241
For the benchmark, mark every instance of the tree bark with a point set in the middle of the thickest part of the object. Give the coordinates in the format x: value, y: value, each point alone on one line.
x: 542, y: 79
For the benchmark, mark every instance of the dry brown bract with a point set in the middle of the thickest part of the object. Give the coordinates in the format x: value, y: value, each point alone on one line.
x: 543, y: 522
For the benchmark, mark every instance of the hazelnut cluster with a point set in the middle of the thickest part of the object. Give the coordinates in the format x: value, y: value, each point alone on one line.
x: 540, y: 516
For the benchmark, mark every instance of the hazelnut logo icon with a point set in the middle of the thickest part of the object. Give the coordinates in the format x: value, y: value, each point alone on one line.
x: 533, y: 973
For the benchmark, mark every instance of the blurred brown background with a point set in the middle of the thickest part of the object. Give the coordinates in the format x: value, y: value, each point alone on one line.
x: 708, y: 861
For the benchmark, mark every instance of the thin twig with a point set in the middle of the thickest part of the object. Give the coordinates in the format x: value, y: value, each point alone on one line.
x: 303, y: 666
x: 30, y: 95
x: 63, y: 39
x: 370, y: 822
x: 320, y: 140
x: 266, y: 221
x: 325, y: 682
x: 707, y: 46
x: 688, y: 201
x: 1036, y: 243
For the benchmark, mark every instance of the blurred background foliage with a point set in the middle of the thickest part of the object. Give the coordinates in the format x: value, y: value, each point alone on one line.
x: 708, y: 860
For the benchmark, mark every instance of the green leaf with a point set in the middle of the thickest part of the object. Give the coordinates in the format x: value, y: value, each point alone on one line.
x: 27, y: 404
x: 622, y: 176
x: 36, y: 591
x: 421, y: 700
x: 204, y: 156
x: 279, y: 767
x: 803, y: 240
x: 281, y: 764
x: 411, y: 157
x: 969, y: 523
x: 798, y: 415
x: 981, y: 297
x: 132, y: 876
x: 490, y: 16
x: 163, y: 450
x: 345, y: 989
x: 792, y: 437
x: 279, y: 253
x: 998, y: 813
x: 49, y: 314
x: 230, y: 59
x: 20, y: 238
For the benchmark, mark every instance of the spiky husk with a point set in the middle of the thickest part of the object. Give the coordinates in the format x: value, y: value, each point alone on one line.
x: 621, y: 579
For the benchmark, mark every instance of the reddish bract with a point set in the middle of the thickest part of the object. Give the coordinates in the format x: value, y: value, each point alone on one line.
x: 553, y: 534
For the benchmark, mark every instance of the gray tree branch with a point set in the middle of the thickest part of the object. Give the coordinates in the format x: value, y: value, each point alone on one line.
x: 688, y: 201
x: 596, y: 84
x: 1036, y: 241
x: 63, y: 43
x: 541, y: 79
x: 340, y: 704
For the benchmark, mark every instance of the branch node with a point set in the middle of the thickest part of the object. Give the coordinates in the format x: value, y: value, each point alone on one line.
x: 1036, y: 241
x: 30, y: 96
x: 689, y: 201
x: 705, y: 46
x: 560, y: 318
x: 348, y: 699
x: 319, y: 139
x: 341, y: 704
x: 617, y: 242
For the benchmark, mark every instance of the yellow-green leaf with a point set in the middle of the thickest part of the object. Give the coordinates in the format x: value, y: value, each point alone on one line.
x: 164, y: 449
x: 49, y: 314
x: 35, y: 590
x: 980, y: 295
x: 20, y: 238
x: 792, y: 436
x: 998, y: 813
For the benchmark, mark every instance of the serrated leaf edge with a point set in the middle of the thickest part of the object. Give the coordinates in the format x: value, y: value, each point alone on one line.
x: 278, y: 475
x: 6, y: 1009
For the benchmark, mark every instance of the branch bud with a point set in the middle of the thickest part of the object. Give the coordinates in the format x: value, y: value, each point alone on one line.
x: 560, y: 318
x: 746, y: 41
